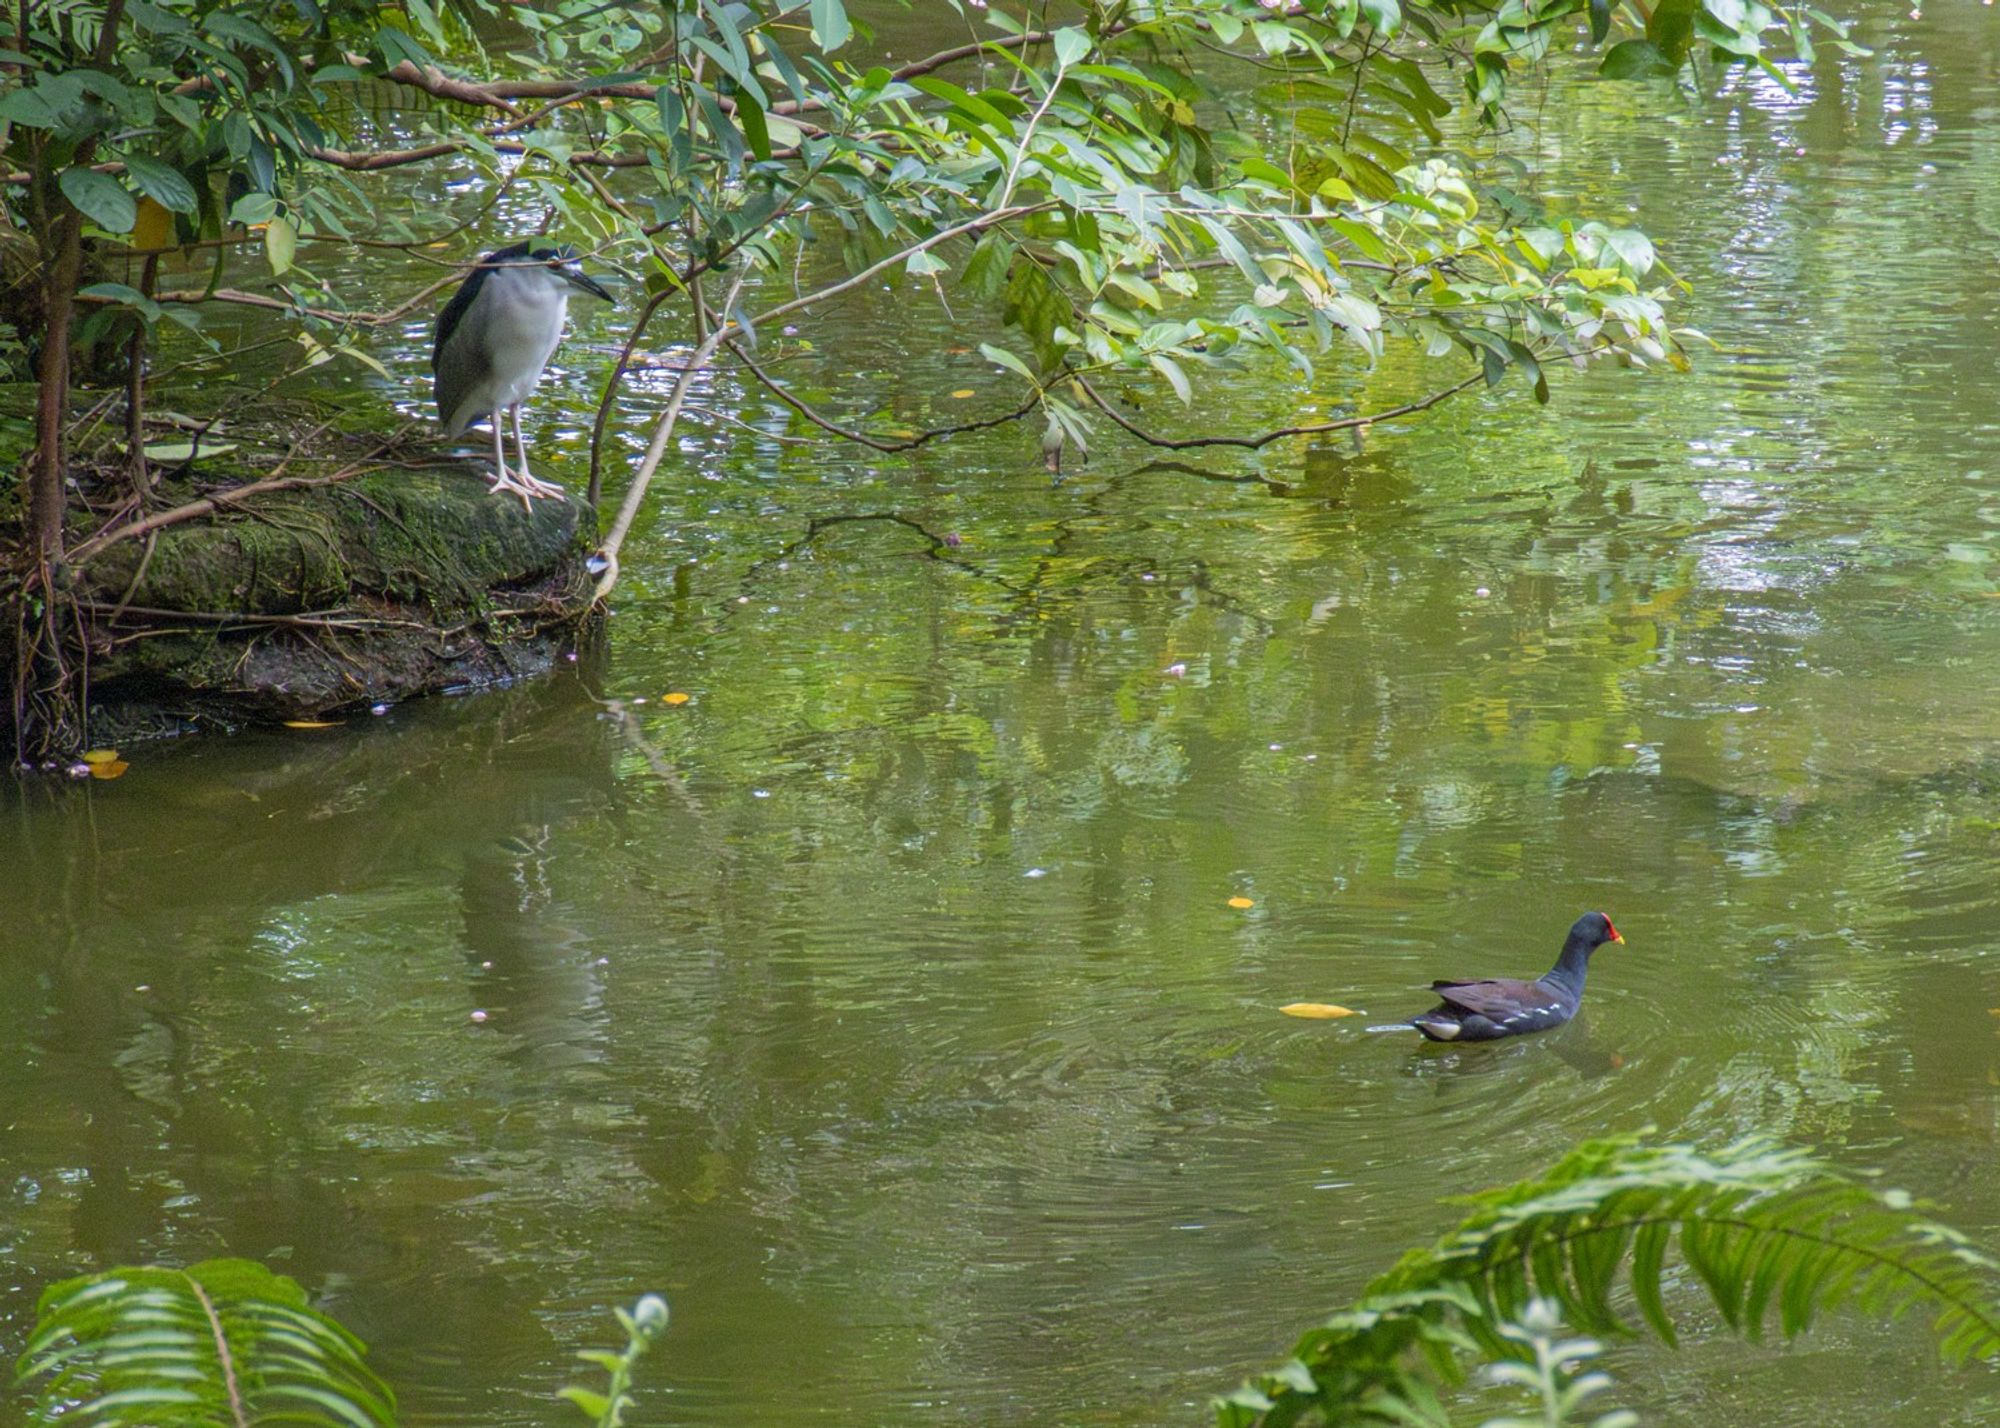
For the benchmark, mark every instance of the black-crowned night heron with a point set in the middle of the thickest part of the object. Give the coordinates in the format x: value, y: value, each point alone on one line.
x: 494, y: 338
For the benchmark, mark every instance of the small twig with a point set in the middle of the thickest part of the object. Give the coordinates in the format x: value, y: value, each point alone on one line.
x: 1254, y: 443
x: 610, y: 393
x: 903, y: 255
x: 328, y: 620
x: 223, y: 500
x: 922, y: 438
x: 188, y: 296
x: 145, y: 560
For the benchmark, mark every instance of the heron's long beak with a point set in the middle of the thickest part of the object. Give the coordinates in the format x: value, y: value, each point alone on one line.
x: 577, y: 278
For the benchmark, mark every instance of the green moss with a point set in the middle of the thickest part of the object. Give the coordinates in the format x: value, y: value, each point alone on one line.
x: 438, y: 539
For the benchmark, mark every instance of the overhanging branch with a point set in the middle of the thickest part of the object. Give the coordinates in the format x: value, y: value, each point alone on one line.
x: 1257, y: 443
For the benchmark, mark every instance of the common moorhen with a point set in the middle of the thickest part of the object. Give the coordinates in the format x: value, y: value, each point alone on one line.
x: 1484, y: 1011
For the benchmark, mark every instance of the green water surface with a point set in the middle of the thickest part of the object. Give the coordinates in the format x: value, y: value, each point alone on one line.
x: 882, y: 1005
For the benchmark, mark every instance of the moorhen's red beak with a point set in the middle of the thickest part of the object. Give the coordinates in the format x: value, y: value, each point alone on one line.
x: 1616, y: 935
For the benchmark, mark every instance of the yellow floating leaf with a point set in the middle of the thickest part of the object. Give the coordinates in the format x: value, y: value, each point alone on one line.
x: 110, y: 769
x: 313, y: 723
x: 1241, y: 902
x: 675, y: 698
x: 962, y: 393
x: 101, y: 756
x: 1316, y: 1011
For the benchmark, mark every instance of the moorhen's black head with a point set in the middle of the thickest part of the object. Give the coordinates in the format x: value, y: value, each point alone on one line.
x: 1592, y: 931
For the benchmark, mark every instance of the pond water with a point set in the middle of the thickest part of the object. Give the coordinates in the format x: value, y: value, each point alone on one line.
x: 883, y: 1005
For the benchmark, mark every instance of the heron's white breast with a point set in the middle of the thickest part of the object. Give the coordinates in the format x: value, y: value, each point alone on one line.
x: 525, y: 325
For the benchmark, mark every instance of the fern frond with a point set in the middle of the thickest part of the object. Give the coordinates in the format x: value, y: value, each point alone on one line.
x: 1769, y: 1232
x: 223, y: 1342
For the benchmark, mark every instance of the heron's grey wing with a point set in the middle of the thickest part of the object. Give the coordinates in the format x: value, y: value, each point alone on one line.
x: 458, y: 358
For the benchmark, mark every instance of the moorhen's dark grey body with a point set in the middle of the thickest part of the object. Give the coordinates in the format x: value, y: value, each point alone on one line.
x: 1485, y: 1011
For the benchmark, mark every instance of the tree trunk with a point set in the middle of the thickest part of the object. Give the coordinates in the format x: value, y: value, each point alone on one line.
x: 46, y: 496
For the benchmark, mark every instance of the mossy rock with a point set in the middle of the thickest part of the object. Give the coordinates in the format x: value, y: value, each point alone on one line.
x: 436, y: 537
x: 309, y: 601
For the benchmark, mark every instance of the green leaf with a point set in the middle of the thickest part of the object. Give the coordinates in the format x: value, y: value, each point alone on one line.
x: 1176, y: 378
x: 1600, y: 20
x: 1386, y: 16
x: 1636, y: 59
x: 1671, y: 28
x: 183, y: 450
x: 225, y: 25
x: 830, y: 25
x: 1649, y: 1252
x: 594, y: 1405
x: 1632, y: 248
x: 128, y: 296
x: 720, y: 128
x: 165, y: 186
x: 1035, y: 305
x: 755, y: 131
x: 29, y: 108
x: 281, y: 241
x: 1000, y: 356
x: 1071, y: 45
x: 159, y: 1348
x: 986, y: 270
x: 100, y: 198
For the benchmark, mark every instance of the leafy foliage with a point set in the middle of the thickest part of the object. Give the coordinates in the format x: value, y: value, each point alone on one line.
x: 1769, y: 1233
x: 645, y: 1323
x: 222, y: 1342
x: 1077, y: 176
x: 1551, y: 1373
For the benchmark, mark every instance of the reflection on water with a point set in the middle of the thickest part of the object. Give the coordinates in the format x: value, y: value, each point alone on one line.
x: 882, y: 1004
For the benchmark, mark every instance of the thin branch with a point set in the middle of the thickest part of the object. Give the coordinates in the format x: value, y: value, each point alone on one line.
x: 1255, y: 443
x: 1028, y: 137
x: 332, y: 620
x: 190, y: 296
x: 222, y: 500
x: 922, y: 438
x: 610, y: 393
x: 974, y: 225
x: 634, y: 496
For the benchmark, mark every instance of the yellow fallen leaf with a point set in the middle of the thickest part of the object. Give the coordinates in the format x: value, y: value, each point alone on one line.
x: 313, y: 723
x: 962, y: 393
x: 101, y: 756
x: 1316, y: 1011
x: 1241, y: 902
x: 110, y: 769
x: 675, y: 698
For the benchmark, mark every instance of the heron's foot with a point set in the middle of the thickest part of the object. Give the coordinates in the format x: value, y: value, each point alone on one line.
x: 535, y: 486
x: 513, y: 483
